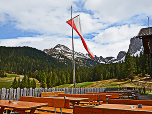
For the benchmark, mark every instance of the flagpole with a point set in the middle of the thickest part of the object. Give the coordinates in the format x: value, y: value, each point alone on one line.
x: 73, y: 50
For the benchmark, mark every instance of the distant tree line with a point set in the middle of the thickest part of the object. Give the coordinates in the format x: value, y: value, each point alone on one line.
x: 25, y: 82
x: 49, y: 72
x: 2, y: 74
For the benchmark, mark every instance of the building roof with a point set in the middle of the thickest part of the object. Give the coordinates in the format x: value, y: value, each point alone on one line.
x: 145, y: 32
x: 146, y: 35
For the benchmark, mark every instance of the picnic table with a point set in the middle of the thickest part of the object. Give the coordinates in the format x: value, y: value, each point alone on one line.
x: 73, y: 100
x: 113, y: 109
x: 76, y: 100
x: 109, y: 96
x: 129, y: 93
x: 126, y: 107
x: 20, y: 106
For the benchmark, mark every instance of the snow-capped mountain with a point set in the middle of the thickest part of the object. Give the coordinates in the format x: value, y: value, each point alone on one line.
x: 61, y: 51
x: 135, y: 48
x: 64, y: 54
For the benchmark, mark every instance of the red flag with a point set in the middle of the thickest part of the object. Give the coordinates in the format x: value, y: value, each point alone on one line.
x: 77, y: 28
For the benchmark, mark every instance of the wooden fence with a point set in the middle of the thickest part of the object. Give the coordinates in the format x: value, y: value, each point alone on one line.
x: 14, y: 94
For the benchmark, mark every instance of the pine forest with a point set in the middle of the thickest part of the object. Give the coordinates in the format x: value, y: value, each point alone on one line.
x: 34, y: 63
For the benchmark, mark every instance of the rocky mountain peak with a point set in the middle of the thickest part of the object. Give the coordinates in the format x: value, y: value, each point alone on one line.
x: 120, y: 55
x: 59, y: 50
x: 61, y: 47
x: 135, y: 45
x: 64, y: 50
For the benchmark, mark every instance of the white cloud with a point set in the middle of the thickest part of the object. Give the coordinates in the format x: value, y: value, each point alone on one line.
x: 45, y: 17
x: 47, y: 42
x: 113, y: 22
x: 112, y: 11
x: 116, y: 34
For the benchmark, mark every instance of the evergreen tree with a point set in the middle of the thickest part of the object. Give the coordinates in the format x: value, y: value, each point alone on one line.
x: 19, y: 83
x: 49, y: 85
x: 14, y: 84
x: 43, y: 80
x: 28, y: 82
x: 33, y: 84
x: 129, y: 69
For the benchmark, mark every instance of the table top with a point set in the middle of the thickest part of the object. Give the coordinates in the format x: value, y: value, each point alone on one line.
x: 21, y: 104
x: 76, y: 99
x: 109, y: 95
x: 122, y: 91
x: 70, y: 98
x: 118, y: 91
x: 125, y: 107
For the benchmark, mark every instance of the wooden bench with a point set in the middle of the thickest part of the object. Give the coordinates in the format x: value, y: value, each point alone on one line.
x: 48, y: 94
x: 57, y: 103
x: 129, y: 102
x: 93, y: 99
x: 103, y: 109
x: 52, y: 104
x: 114, y: 95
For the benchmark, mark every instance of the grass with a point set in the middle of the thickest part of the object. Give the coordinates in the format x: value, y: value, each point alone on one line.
x: 12, y: 75
x: 63, y: 86
x: 146, y: 93
x: 112, y: 84
x: 6, y: 85
x: 83, y: 84
x: 5, y: 82
x: 104, y: 83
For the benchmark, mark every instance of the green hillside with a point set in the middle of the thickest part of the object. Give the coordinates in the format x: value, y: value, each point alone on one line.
x: 7, y: 82
x: 50, y: 72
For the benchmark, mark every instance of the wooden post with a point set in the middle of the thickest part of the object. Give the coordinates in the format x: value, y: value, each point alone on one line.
x: 21, y: 92
x: 3, y: 93
x: 30, y: 93
x: 27, y: 92
x: 39, y: 92
x: 33, y: 93
x: 14, y: 95
x: 7, y: 94
x: 18, y: 94
x: 24, y: 91
x: 49, y: 90
x: 11, y: 94
x: 53, y: 89
x: 36, y: 92
x: 71, y: 90
x: 45, y: 90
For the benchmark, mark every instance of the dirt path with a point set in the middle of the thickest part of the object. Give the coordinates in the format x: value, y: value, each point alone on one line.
x: 128, y: 85
x: 102, y: 83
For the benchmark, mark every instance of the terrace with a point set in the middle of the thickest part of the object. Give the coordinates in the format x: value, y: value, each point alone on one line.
x: 74, y: 101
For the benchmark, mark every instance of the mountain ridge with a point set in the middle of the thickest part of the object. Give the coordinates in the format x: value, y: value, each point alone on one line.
x: 134, y: 46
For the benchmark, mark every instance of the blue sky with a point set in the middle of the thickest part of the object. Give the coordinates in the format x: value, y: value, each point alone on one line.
x: 107, y: 25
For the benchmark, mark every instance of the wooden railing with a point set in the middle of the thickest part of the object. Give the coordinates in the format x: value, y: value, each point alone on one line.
x: 14, y: 94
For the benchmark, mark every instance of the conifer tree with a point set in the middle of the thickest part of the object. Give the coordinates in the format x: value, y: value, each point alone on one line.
x: 129, y: 69
x: 14, y: 84
x: 19, y: 82
x: 43, y: 80
x: 49, y: 85
x: 25, y: 81
x: 33, y: 84
x: 28, y: 82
